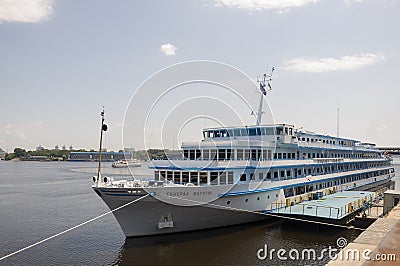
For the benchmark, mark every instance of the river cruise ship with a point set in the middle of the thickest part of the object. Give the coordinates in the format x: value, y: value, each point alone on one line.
x: 237, y: 175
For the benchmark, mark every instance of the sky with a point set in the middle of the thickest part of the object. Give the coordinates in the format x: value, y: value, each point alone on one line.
x: 61, y: 61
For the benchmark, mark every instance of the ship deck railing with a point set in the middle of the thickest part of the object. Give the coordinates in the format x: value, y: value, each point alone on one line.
x: 332, y: 206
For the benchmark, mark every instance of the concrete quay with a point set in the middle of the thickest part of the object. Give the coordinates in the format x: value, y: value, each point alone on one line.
x: 379, y: 244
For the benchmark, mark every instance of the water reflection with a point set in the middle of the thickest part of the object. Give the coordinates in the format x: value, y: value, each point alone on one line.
x: 235, y: 245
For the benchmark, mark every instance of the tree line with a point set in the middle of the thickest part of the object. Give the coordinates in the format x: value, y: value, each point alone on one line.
x: 142, y: 155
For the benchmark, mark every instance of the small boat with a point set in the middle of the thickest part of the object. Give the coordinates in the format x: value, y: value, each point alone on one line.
x: 126, y: 163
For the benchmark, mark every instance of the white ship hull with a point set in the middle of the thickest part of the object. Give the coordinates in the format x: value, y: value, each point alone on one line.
x: 142, y: 218
x: 155, y: 215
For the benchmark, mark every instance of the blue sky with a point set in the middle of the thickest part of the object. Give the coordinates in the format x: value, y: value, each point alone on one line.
x: 62, y: 60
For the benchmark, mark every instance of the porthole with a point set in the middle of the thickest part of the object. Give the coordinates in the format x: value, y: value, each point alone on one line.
x: 228, y: 202
x: 258, y: 198
x: 246, y: 200
x: 268, y: 197
x: 276, y: 195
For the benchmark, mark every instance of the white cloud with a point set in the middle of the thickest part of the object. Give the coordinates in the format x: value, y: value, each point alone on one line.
x: 10, y: 130
x: 25, y: 10
x: 344, y: 63
x: 280, y: 5
x: 168, y: 49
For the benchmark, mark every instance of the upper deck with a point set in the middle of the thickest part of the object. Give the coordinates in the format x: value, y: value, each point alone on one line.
x: 276, y: 135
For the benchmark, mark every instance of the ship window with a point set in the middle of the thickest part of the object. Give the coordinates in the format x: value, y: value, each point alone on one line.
x: 288, y: 173
x: 259, y: 155
x: 214, y: 178
x: 279, y: 155
x: 203, y: 178
x: 169, y: 176
x: 260, y: 176
x: 213, y: 154
x: 286, y: 131
x: 268, y: 131
x: 221, y: 154
x: 222, y: 178
x: 194, y: 177
x: 243, y: 177
x: 269, y: 175
x: 246, y: 154
x: 276, y: 174
x: 206, y: 154
x: 252, y: 176
x: 251, y: 132
x: 282, y: 174
x: 239, y: 154
x: 185, y: 178
x: 191, y: 154
x: 264, y: 155
x: 229, y: 154
x: 177, y: 177
x: 254, y: 154
x: 284, y: 155
x: 279, y: 131
x: 185, y: 153
x: 230, y: 177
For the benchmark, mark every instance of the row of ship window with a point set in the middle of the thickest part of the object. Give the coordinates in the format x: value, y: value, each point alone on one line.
x: 326, y: 141
x: 227, y: 177
x: 298, y: 190
x: 260, y: 155
x: 196, y: 177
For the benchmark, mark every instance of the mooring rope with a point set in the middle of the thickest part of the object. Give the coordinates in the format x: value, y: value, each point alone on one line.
x: 72, y: 228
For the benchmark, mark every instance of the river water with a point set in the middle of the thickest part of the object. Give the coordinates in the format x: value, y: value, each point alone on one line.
x: 40, y: 199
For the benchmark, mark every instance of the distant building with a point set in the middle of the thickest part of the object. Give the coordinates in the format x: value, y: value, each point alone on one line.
x: 39, y: 148
x: 71, y: 148
x: 2, y: 154
x: 56, y: 148
x: 108, y: 156
x: 64, y: 148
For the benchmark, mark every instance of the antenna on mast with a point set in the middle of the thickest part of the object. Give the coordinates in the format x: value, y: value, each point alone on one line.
x: 337, y: 126
x: 265, y: 85
x: 102, y: 128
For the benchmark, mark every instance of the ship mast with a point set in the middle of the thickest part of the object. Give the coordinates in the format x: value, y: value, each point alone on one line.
x: 263, y: 83
x: 102, y: 128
